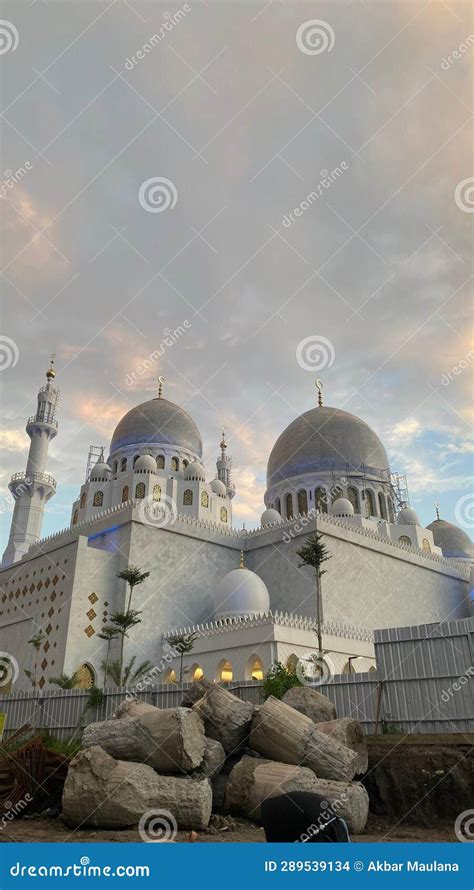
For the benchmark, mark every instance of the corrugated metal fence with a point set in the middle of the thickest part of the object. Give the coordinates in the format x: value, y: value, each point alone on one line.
x: 423, y: 683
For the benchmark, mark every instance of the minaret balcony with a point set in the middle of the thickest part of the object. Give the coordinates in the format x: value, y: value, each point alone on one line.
x: 29, y: 478
x: 47, y: 421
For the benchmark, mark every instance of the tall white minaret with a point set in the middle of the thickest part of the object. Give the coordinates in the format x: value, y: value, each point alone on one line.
x: 33, y: 488
x: 224, y: 468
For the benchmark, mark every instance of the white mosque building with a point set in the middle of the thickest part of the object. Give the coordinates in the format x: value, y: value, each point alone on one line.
x: 242, y: 593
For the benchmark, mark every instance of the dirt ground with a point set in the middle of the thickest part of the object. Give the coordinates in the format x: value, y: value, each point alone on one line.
x: 42, y: 830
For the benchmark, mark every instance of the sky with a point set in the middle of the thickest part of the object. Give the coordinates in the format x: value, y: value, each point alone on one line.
x: 309, y: 216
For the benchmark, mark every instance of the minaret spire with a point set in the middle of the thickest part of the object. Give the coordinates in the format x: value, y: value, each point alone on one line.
x: 33, y: 488
x: 319, y: 387
x: 436, y: 505
x: 224, y: 467
x: 161, y: 380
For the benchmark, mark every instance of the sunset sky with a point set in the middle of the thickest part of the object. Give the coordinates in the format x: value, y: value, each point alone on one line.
x: 245, y: 125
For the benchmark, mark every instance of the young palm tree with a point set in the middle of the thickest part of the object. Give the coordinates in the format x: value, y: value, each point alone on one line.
x: 128, y: 674
x: 133, y: 576
x: 183, y: 643
x: 313, y: 554
x: 109, y: 633
x: 36, y: 641
x: 123, y: 622
x: 65, y: 681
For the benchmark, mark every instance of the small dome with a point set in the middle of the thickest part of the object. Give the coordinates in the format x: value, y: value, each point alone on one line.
x: 100, y: 471
x: 407, y: 516
x: 218, y: 487
x: 241, y: 592
x: 146, y: 463
x: 342, y: 507
x: 195, y: 470
x: 270, y: 516
x: 454, y: 542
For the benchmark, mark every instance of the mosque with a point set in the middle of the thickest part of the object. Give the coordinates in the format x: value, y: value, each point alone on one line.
x: 242, y: 594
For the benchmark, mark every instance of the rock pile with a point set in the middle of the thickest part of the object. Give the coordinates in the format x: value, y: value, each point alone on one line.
x: 216, y: 755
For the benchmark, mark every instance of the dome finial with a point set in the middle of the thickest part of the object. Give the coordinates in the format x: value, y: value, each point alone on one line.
x: 161, y: 380
x: 436, y: 506
x: 319, y: 386
x: 242, y: 564
x: 51, y: 373
x: 223, y: 443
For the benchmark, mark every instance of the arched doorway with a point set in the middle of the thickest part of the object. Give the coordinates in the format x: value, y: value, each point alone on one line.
x: 170, y: 676
x: 224, y: 672
x: 254, y: 669
x: 85, y: 677
x: 195, y: 673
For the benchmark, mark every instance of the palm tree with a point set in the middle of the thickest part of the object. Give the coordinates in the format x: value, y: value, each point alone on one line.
x: 128, y: 674
x: 313, y: 554
x: 133, y: 576
x: 109, y: 633
x: 65, y: 681
x: 123, y: 622
x: 36, y: 641
x: 183, y: 643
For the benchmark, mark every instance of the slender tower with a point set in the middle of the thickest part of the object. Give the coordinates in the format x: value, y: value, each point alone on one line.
x: 33, y: 488
x: 224, y: 468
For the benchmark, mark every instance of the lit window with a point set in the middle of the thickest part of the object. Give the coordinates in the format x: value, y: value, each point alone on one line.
x: 404, y: 539
x: 289, y: 506
x: 188, y: 497
x: 223, y: 514
x: 140, y: 490
x: 196, y: 673
x: 255, y: 669
x: 224, y: 671
x: 125, y: 493
x: 160, y: 462
x: 204, y: 499
x: 302, y: 502
x: 157, y: 492
x: 174, y: 463
x: 425, y: 545
x: 98, y: 499
x: 170, y: 676
x: 123, y: 464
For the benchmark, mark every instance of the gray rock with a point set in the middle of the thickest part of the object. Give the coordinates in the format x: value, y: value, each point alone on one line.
x: 226, y: 718
x: 318, y: 707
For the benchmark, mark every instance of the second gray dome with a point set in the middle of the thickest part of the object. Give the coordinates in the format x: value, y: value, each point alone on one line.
x: 157, y: 422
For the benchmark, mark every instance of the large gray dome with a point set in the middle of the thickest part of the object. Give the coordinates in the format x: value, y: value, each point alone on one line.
x: 454, y: 542
x: 157, y: 422
x: 325, y: 439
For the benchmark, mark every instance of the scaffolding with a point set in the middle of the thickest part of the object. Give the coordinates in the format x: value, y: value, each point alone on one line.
x: 96, y: 452
x: 399, y: 488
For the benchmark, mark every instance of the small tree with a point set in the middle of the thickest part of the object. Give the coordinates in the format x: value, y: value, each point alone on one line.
x: 133, y: 576
x: 314, y: 553
x: 123, y: 622
x: 278, y: 680
x: 36, y: 641
x: 109, y: 633
x: 65, y: 681
x: 183, y: 643
x: 127, y: 675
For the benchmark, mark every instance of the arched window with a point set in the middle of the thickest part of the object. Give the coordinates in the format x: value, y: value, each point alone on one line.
x: 98, y: 499
x: 277, y: 505
x: 369, y: 502
x: 195, y: 673
x: 157, y: 492
x: 74, y: 518
x: 170, y: 676
x: 125, y: 493
x: 292, y: 663
x: 204, y: 499
x: 289, y: 506
x: 320, y: 500
x: 353, y: 497
x: 224, y: 672
x: 254, y: 669
x: 114, y: 466
x: 175, y: 464
x: 404, y: 539
x: 185, y: 464
x: 188, y: 497
x: 135, y: 460
x: 140, y: 490
x: 123, y: 464
x: 391, y: 513
x: 223, y: 514
x: 85, y: 677
x: 382, y: 506
x: 160, y: 462
x: 425, y: 545
x: 302, y: 502
x: 83, y: 499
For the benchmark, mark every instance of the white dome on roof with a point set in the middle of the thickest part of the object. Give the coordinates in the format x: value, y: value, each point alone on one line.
x: 342, y: 507
x: 145, y: 463
x: 195, y: 470
x: 270, y: 516
x: 100, y: 471
x: 241, y: 592
x: 407, y: 516
x: 218, y: 487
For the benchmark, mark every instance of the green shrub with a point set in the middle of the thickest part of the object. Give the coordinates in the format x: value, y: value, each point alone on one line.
x: 278, y: 680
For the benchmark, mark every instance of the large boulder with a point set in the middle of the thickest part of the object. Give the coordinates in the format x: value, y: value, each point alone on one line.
x: 319, y: 708
x: 196, y: 691
x: 226, y: 718
x: 170, y: 740
x: 133, y: 708
x: 213, y: 760
x: 349, y: 800
x: 348, y: 732
x: 253, y: 780
x: 287, y: 736
x: 101, y: 792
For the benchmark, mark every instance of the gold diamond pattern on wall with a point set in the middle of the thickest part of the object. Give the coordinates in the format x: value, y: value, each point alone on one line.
x: 47, y: 583
x: 89, y: 631
x: 4, y: 597
x: 93, y: 598
x: 51, y: 612
x: 46, y: 646
x: 55, y: 580
x: 49, y: 629
x: 91, y: 614
x: 41, y: 682
x: 32, y: 587
x: 44, y: 663
x: 53, y: 596
x: 39, y: 586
